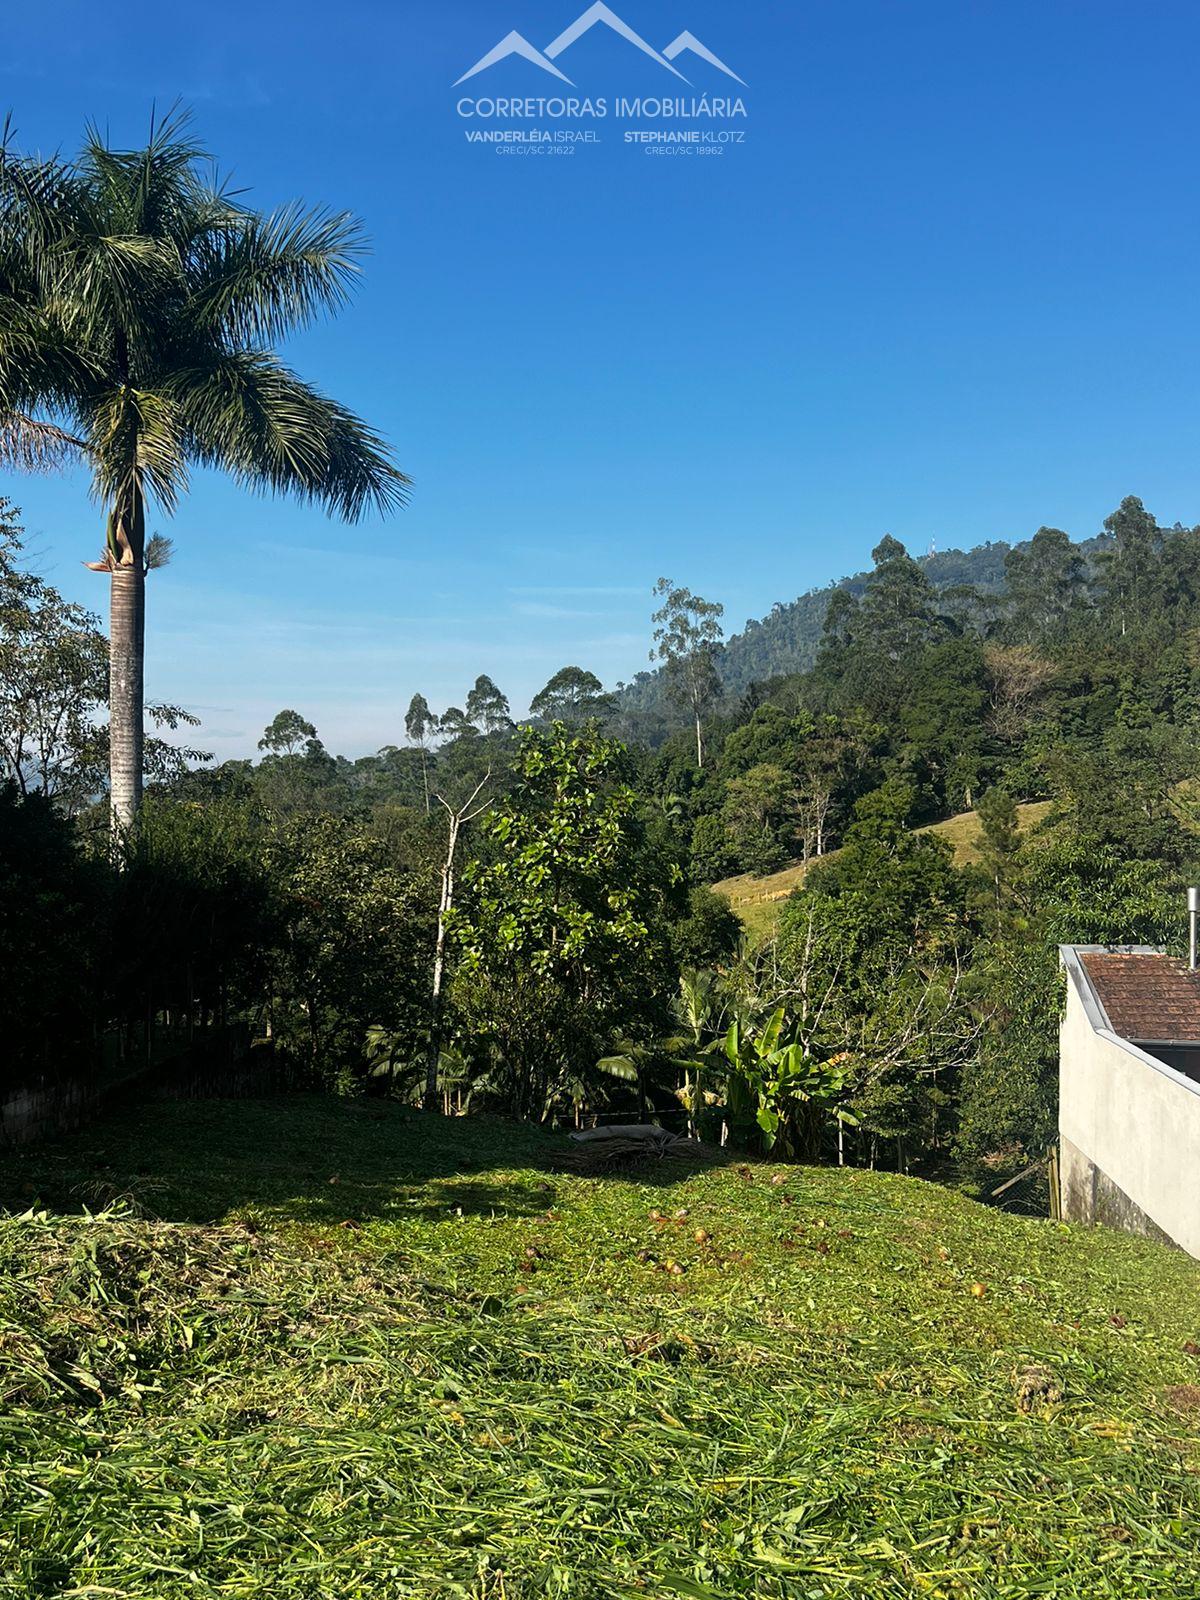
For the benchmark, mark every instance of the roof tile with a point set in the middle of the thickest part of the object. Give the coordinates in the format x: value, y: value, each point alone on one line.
x: 1146, y: 996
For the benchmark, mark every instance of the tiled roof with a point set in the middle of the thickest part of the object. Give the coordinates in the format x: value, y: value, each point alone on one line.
x: 1146, y: 996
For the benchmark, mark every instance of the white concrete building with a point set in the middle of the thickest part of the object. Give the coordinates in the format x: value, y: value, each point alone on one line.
x: 1129, y: 1092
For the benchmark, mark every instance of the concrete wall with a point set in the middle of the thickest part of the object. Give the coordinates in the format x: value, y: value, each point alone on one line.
x: 1129, y: 1126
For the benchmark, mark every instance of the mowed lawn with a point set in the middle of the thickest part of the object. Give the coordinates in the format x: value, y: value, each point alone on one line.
x: 306, y: 1349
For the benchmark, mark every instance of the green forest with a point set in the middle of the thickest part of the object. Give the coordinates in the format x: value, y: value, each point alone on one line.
x: 516, y: 916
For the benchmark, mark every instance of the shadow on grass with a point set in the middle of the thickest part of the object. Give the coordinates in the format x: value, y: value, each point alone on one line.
x: 309, y: 1159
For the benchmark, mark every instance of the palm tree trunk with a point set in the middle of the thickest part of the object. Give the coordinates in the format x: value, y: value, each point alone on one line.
x: 126, y: 663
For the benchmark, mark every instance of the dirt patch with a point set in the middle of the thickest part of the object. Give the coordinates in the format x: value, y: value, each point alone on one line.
x: 1184, y: 1398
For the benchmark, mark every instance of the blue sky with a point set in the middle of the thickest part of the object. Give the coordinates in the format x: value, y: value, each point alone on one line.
x: 946, y: 288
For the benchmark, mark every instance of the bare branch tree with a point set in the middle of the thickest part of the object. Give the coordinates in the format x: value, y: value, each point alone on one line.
x: 457, y: 818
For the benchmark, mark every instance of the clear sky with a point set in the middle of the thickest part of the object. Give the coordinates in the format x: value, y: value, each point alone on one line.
x: 946, y: 288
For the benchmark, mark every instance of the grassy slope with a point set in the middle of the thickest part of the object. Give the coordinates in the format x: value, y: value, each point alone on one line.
x: 364, y: 1355
x: 757, y: 900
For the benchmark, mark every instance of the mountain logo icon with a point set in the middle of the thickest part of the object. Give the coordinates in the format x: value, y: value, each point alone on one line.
x: 512, y: 45
x: 515, y: 44
x: 689, y: 41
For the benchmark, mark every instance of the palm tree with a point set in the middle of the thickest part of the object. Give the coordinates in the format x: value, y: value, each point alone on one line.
x: 140, y: 302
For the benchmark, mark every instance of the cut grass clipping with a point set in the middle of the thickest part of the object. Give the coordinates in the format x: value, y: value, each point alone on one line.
x: 323, y: 1351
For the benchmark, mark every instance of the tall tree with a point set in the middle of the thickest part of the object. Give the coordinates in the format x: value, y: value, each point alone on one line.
x: 1046, y: 584
x: 53, y: 672
x: 297, y: 774
x: 140, y: 303
x: 1128, y: 560
x: 1018, y: 677
x: 867, y: 636
x: 420, y: 723
x: 459, y: 814
x: 287, y: 734
x: 998, y: 849
x: 871, y: 952
x: 572, y: 695
x: 455, y: 724
x: 561, y: 933
x: 686, y: 639
x: 759, y: 816
x: 837, y: 628
x: 830, y: 763
x: 898, y: 606
x: 486, y: 706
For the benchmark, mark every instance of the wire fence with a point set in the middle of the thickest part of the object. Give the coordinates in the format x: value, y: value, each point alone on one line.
x: 1033, y: 1192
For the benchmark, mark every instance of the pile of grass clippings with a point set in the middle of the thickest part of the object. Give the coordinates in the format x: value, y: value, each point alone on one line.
x: 318, y: 1351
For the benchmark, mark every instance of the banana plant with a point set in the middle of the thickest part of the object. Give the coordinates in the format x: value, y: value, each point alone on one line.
x: 686, y: 1051
x: 698, y: 1010
x: 772, y: 1075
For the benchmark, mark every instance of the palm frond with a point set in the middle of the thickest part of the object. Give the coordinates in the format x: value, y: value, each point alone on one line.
x: 261, y: 278
x: 118, y: 281
x: 159, y: 550
x: 618, y: 1067
x: 249, y: 414
x: 39, y: 202
x: 359, y: 476
x: 144, y: 191
x: 35, y: 446
x: 41, y: 364
x: 139, y: 447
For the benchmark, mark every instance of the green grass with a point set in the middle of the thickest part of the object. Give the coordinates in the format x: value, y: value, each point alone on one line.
x: 758, y: 901
x: 325, y: 1351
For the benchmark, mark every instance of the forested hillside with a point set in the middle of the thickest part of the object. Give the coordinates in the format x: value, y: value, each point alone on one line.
x: 788, y: 638
x: 518, y: 918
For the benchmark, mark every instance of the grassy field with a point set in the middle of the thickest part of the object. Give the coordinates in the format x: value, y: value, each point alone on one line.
x: 311, y: 1350
x: 757, y: 901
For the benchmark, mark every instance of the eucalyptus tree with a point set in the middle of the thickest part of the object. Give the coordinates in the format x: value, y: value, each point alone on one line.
x: 1127, y: 561
x: 454, y: 724
x: 572, y: 695
x: 1046, y: 581
x: 686, y: 641
x: 420, y: 724
x: 898, y: 608
x: 140, y: 305
x: 288, y: 734
x: 487, y: 707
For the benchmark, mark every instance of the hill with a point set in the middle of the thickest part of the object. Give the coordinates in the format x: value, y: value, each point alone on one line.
x: 332, y: 1348
x: 787, y: 639
x: 757, y: 900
